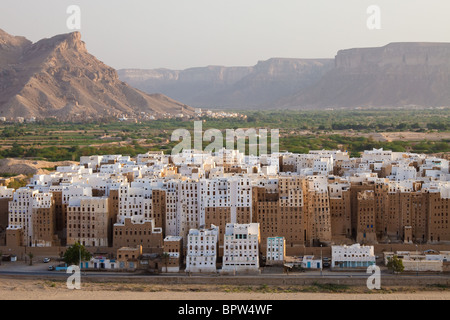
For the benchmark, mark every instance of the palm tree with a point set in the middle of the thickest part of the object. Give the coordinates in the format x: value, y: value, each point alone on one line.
x: 31, y: 256
x: 166, y: 257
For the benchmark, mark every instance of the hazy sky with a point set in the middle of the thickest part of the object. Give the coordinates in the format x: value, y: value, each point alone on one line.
x: 178, y: 34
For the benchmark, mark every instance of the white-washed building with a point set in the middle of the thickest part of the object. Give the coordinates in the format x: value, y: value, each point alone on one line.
x: 241, y: 247
x: 20, y: 213
x: 354, y: 256
x: 276, y: 250
x: 201, y: 251
x: 311, y: 262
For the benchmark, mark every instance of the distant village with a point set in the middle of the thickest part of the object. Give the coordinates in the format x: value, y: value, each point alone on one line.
x: 143, y: 116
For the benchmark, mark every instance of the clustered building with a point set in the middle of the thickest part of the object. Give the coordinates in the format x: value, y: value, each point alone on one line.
x: 157, y: 200
x: 429, y: 260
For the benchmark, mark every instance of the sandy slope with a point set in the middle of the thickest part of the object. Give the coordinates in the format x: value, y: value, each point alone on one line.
x: 25, y: 167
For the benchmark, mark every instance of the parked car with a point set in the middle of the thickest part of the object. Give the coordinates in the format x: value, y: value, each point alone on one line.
x: 47, y: 260
x: 51, y: 268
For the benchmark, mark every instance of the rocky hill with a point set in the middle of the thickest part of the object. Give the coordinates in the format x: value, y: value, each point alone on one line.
x: 58, y: 77
x: 30, y: 167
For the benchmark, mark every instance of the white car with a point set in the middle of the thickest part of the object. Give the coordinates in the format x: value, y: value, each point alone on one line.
x: 46, y: 260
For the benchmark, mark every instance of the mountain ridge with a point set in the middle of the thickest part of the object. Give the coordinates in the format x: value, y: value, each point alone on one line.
x: 58, y: 77
x: 395, y: 75
x: 221, y: 86
x: 398, y: 74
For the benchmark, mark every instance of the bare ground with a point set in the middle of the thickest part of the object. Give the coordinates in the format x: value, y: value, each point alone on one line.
x: 29, y: 167
x: 21, y: 289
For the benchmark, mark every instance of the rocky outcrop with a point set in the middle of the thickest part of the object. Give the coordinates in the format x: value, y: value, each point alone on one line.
x: 58, y: 77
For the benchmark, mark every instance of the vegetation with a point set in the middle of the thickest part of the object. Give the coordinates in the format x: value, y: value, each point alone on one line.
x: 329, y: 287
x: 7, y: 175
x: 165, y: 256
x: 31, y: 256
x: 18, y: 183
x: 395, y: 264
x: 74, y: 253
x: 300, y: 131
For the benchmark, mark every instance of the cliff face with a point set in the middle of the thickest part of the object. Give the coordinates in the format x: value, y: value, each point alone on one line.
x: 213, y: 74
x: 11, y: 47
x: 397, y: 75
x: 194, y: 86
x: 399, y: 54
x: 277, y: 78
x: 57, y: 77
x: 237, y: 87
